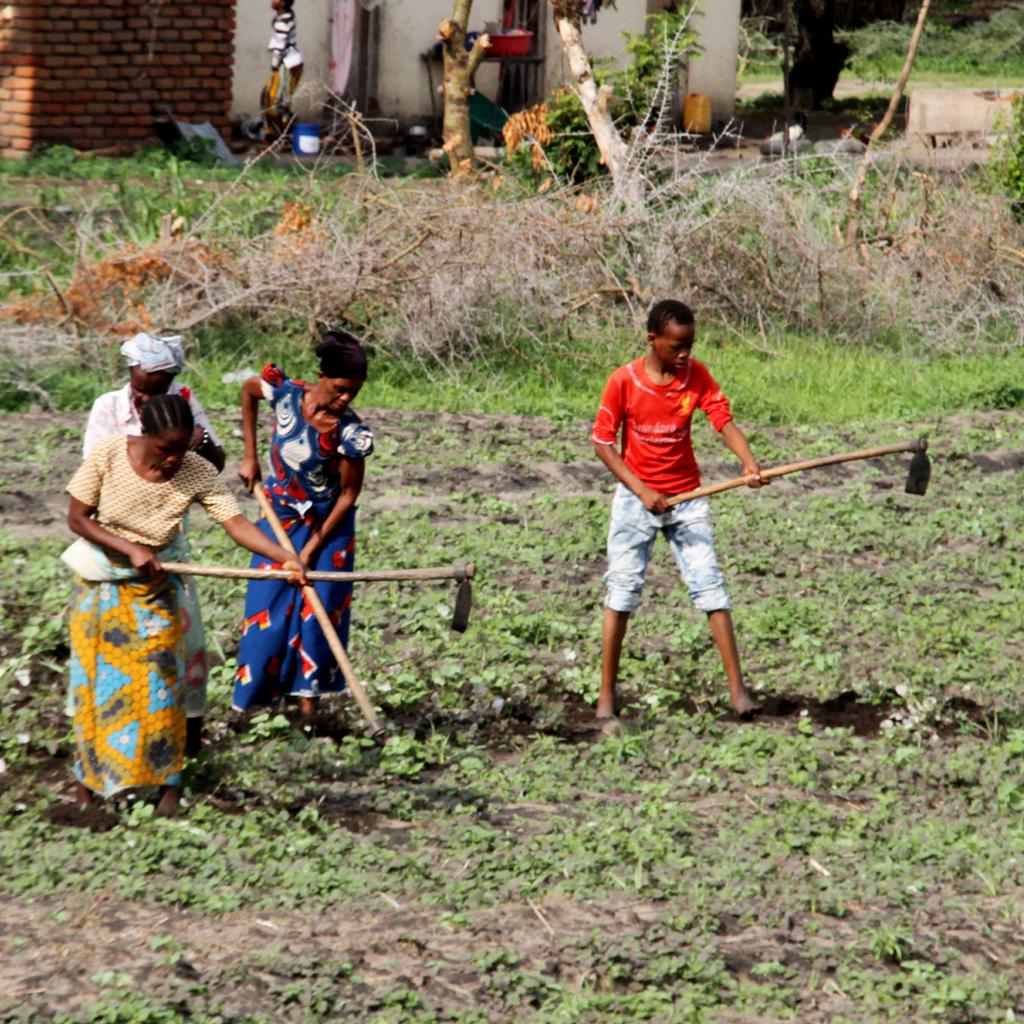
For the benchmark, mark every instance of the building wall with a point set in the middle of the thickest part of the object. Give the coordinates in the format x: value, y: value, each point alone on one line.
x: 94, y: 73
x: 601, y: 40
x: 713, y: 73
x: 409, y: 27
x: 252, y: 58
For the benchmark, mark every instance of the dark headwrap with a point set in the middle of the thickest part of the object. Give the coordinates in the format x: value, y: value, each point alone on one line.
x: 341, y: 355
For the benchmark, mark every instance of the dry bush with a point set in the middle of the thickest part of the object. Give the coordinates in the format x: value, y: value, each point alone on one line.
x: 110, y: 294
x: 763, y: 247
x: 529, y: 127
x: 434, y: 270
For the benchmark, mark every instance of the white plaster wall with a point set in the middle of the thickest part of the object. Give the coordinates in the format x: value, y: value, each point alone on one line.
x: 408, y: 27
x: 252, y: 59
x: 713, y: 73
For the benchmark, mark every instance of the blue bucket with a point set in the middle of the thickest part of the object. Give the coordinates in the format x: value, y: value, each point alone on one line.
x: 306, y: 139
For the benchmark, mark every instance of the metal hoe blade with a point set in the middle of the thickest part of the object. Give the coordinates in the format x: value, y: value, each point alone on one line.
x: 920, y: 471
x: 463, y: 607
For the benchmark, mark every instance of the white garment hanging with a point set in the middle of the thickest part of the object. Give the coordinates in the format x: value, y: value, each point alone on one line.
x: 344, y: 16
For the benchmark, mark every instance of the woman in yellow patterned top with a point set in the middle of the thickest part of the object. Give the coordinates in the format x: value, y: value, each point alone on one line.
x: 127, y: 672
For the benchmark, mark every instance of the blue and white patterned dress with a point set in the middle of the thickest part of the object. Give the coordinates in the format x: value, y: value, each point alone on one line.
x: 283, y: 650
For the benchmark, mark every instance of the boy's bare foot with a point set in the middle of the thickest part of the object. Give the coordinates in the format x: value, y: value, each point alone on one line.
x: 605, y: 710
x: 167, y: 806
x: 743, y: 703
x: 83, y: 796
x: 193, y: 736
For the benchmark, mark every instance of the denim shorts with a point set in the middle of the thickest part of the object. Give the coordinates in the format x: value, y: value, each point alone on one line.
x: 631, y: 535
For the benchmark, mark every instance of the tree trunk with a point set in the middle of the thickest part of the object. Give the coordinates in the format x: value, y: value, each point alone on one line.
x: 460, y: 65
x: 595, y: 100
x: 819, y: 59
x: 853, y: 227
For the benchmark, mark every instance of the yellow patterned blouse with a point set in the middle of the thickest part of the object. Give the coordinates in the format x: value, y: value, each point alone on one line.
x: 144, y: 511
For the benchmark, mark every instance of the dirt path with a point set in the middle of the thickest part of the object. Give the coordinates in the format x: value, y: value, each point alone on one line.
x: 260, y: 963
x: 385, y: 944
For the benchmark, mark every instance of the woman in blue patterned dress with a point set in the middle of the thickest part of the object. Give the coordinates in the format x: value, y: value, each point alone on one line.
x: 317, y: 465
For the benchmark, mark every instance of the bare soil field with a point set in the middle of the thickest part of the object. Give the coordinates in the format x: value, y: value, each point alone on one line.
x: 853, y: 853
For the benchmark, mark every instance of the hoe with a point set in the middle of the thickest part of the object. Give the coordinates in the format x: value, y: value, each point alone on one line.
x: 917, y: 476
x: 460, y: 617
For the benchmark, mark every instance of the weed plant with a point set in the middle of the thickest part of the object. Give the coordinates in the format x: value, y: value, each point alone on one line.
x: 688, y: 867
x: 1009, y: 163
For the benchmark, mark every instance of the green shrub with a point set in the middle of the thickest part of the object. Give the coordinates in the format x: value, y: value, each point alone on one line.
x: 655, y: 57
x: 572, y: 153
x: 1010, y: 161
x: 640, y: 92
x: 992, y: 48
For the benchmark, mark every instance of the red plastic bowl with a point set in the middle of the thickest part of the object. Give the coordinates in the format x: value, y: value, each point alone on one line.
x: 510, y: 44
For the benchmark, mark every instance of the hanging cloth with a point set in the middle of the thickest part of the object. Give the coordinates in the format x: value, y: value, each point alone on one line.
x: 344, y: 18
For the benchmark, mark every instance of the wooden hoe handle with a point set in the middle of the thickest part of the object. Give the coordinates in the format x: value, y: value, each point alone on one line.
x: 330, y: 633
x: 455, y: 572
x: 919, y: 445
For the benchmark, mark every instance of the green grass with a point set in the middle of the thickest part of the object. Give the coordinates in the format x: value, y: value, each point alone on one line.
x: 989, y: 53
x: 675, y: 861
x: 62, y: 163
x: 802, y: 380
x: 984, y: 52
x: 807, y: 381
x: 689, y: 868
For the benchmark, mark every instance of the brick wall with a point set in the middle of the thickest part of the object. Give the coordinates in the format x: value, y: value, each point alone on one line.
x: 95, y: 73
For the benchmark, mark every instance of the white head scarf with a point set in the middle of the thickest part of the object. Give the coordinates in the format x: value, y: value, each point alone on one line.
x: 154, y: 355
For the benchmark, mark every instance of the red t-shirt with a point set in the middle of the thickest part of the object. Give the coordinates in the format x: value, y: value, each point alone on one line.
x: 655, y: 421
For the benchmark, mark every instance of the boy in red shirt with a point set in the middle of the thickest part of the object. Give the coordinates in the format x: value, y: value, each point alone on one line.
x: 652, y: 400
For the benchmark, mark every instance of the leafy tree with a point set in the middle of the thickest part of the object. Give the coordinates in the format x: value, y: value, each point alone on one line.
x: 818, y: 58
x: 1009, y: 167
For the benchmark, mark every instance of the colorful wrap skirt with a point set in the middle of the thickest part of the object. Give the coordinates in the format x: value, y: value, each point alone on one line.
x: 127, y: 673
x: 283, y: 651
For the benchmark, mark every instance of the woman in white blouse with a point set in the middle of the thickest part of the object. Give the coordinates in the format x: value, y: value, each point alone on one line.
x: 153, y: 364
